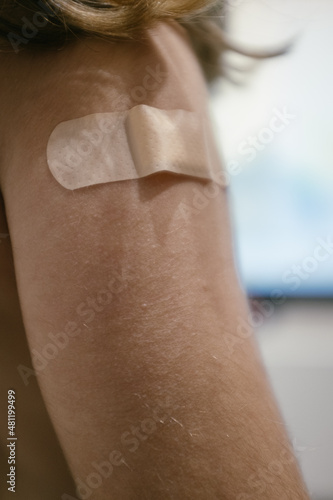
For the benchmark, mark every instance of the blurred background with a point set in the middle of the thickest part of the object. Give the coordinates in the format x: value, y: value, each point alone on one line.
x: 274, y: 128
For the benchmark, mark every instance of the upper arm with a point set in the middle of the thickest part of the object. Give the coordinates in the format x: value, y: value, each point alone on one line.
x: 126, y: 301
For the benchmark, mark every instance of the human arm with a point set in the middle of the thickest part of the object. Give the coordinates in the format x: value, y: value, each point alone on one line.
x: 162, y: 339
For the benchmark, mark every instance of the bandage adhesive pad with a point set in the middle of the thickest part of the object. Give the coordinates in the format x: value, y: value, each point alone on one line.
x: 109, y: 147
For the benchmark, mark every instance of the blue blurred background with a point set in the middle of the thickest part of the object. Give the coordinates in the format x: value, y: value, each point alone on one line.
x: 282, y: 194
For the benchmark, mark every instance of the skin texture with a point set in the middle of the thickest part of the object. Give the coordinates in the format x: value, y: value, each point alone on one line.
x: 41, y: 468
x: 156, y: 377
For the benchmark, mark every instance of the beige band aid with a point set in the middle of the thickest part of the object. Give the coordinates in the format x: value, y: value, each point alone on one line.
x: 108, y: 147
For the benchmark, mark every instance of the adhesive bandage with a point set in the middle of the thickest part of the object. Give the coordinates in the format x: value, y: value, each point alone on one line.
x: 108, y: 147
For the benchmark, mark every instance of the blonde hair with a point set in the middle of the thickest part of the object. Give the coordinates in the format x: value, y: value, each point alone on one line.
x: 54, y: 23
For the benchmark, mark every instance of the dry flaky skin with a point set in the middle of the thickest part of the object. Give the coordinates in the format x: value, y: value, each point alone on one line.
x: 154, y: 393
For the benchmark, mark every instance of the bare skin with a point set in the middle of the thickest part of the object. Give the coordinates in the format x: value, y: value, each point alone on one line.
x: 42, y: 471
x: 156, y: 381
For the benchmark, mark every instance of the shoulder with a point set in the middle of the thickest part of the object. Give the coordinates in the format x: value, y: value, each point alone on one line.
x: 41, y: 88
